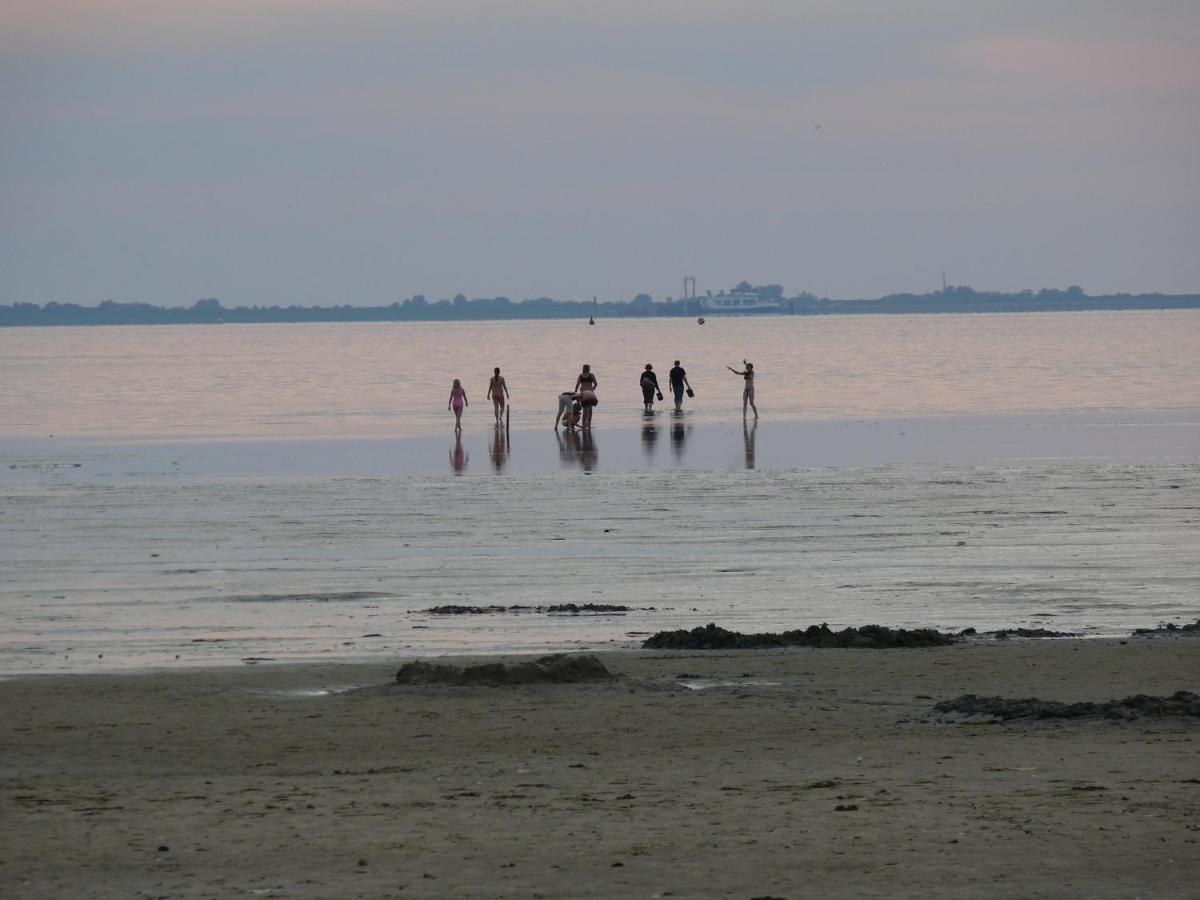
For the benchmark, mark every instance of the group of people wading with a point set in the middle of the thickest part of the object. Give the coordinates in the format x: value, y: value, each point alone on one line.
x: 576, y: 405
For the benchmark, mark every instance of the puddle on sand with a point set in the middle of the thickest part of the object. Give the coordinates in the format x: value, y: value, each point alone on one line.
x: 305, y: 692
x: 701, y: 684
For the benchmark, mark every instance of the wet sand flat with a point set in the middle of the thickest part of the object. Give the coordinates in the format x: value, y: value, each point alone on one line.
x: 791, y: 774
x: 105, y: 576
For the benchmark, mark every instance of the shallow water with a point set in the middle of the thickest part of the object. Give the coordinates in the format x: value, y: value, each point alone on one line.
x: 248, y: 494
x: 392, y: 380
x: 106, y: 576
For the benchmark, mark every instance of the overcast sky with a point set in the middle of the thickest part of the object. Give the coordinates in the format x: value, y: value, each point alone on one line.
x: 353, y: 151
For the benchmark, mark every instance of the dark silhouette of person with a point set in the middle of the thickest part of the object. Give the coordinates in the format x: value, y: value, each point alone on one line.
x: 649, y: 383
x: 678, y: 380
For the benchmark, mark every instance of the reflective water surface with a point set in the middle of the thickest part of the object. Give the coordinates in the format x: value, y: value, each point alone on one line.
x: 392, y: 380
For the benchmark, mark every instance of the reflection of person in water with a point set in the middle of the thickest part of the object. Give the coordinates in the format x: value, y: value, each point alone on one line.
x: 649, y: 439
x: 458, y: 456
x: 568, y: 447
x: 500, y: 447
x: 577, y: 447
x: 588, y: 454
x: 748, y: 435
x: 678, y: 439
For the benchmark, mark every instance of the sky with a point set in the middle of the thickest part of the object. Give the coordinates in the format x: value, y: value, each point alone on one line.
x: 359, y: 151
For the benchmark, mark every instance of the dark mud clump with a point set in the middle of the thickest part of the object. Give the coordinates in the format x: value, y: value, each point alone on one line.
x: 560, y: 668
x: 871, y: 637
x: 456, y: 610
x: 1005, y: 633
x: 577, y: 608
x: 557, y: 609
x: 1192, y: 630
x: 970, y: 708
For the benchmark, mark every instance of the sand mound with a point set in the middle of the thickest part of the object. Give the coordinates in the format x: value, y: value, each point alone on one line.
x: 560, y: 668
x: 1003, y: 709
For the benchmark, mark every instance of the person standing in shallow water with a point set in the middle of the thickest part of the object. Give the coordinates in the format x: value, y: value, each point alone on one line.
x: 679, y: 381
x: 649, y: 385
x: 498, y: 393
x: 748, y: 391
x: 457, y: 402
x: 585, y: 386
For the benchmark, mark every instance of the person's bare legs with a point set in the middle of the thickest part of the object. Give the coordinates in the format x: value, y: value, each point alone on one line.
x: 458, y: 419
x: 748, y: 398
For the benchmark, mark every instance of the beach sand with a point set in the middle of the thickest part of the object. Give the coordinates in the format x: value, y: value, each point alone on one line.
x: 799, y: 776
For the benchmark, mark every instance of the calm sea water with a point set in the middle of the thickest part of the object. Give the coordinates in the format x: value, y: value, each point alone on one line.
x: 205, y: 516
x: 383, y: 380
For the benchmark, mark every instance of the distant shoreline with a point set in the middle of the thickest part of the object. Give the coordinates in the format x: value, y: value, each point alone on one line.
x: 210, y: 311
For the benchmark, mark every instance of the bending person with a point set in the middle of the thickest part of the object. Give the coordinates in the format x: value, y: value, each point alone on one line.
x: 566, y: 410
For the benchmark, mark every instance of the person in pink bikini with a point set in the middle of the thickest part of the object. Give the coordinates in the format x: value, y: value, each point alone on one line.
x: 457, y: 402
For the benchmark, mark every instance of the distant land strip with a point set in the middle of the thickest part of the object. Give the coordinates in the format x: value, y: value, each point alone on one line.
x: 418, y: 309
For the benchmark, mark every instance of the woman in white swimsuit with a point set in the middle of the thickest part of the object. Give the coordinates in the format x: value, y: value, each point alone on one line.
x: 748, y: 390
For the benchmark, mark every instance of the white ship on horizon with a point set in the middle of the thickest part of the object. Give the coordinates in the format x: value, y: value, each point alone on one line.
x: 739, y: 301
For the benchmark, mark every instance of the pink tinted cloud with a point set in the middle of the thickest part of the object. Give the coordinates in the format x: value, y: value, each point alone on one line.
x: 1116, y: 67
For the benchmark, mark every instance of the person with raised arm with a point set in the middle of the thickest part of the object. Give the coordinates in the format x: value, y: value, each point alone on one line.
x: 747, y: 391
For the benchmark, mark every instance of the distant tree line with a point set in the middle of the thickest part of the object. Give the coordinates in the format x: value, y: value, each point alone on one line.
x: 956, y: 299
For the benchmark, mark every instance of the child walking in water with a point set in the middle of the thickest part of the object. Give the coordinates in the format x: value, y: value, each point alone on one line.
x: 457, y: 401
x: 748, y: 390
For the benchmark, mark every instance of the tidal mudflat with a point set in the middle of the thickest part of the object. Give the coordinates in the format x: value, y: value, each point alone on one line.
x: 102, y: 576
